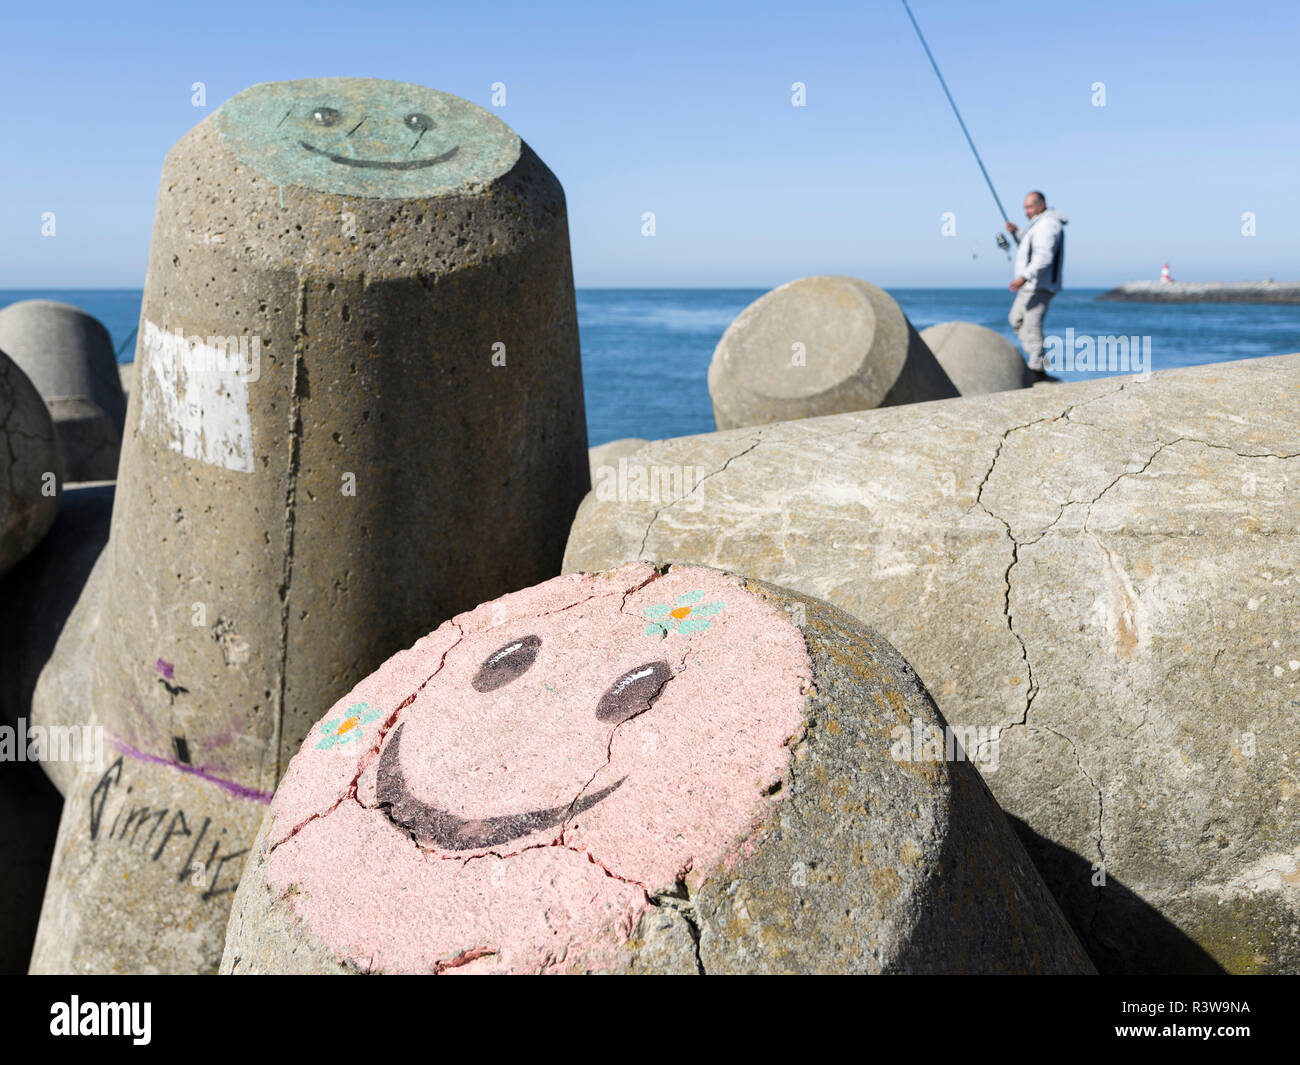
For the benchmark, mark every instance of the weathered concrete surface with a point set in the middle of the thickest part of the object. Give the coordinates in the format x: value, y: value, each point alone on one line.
x: 1107, y: 572
x: 126, y: 374
x: 977, y: 359
x: 38, y: 595
x: 709, y: 772
x: 149, y: 847
x: 58, y: 698
x: 820, y: 345
x: 68, y: 355
x: 607, y: 455
x: 371, y: 420
x: 31, y: 466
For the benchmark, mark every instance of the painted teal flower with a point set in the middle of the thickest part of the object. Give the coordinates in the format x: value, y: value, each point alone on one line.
x: 348, y: 727
x: 685, y: 617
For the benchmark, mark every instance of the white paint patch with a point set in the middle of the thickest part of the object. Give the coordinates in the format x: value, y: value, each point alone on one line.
x: 1277, y: 872
x: 193, y: 402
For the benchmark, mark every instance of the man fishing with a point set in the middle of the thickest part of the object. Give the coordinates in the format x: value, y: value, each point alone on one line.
x: 1040, y: 254
x: 1040, y: 257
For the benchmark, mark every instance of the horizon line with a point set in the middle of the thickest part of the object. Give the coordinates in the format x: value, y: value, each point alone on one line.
x: 681, y: 288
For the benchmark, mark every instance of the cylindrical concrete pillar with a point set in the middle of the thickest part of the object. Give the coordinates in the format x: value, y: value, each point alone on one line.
x: 357, y: 411
x: 977, y: 359
x: 68, y: 355
x: 820, y: 345
x: 31, y: 465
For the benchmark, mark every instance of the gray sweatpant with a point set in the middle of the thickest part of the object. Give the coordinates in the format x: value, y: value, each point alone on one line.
x: 1026, y: 319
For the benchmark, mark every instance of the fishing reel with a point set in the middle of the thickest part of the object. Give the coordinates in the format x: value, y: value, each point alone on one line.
x: 1004, y: 244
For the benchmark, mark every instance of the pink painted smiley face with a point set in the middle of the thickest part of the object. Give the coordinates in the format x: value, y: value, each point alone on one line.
x: 630, y: 695
x: 544, y: 766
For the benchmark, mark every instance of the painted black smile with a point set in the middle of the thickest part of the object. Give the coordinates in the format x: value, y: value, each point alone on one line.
x: 381, y: 164
x: 433, y: 825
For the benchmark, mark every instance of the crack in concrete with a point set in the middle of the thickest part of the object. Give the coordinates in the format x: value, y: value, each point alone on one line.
x: 463, y: 958
x: 1032, y: 688
x: 656, y: 573
x: 10, y: 408
x: 290, y: 520
x: 758, y: 439
x: 350, y: 792
x: 680, y: 902
x: 1127, y: 473
x: 609, y: 746
x: 1101, y: 825
x: 1100, y: 842
x: 873, y: 436
x: 1017, y: 543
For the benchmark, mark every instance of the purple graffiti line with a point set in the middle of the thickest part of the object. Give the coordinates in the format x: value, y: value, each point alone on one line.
x: 139, y: 709
x: 240, y: 791
x: 165, y: 668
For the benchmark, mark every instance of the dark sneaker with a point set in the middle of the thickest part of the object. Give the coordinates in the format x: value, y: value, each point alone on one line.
x: 1039, y: 376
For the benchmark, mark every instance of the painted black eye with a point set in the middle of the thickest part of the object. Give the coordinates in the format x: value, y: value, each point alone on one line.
x: 506, y: 664
x: 417, y: 120
x: 326, y: 116
x: 633, y: 692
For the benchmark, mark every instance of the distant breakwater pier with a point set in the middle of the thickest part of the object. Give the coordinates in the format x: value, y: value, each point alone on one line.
x: 1205, y: 292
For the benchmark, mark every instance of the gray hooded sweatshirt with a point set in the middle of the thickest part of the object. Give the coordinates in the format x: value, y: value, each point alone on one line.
x: 1040, y: 254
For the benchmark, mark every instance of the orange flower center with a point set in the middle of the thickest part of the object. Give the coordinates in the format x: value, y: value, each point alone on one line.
x: 681, y: 612
x: 347, y: 725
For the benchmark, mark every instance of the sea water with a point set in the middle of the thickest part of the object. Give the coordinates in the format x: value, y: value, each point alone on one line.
x: 645, y: 352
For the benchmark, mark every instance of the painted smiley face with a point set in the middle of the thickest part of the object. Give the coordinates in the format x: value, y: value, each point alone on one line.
x: 629, y: 696
x: 365, y: 137
x: 542, y: 767
x: 417, y: 122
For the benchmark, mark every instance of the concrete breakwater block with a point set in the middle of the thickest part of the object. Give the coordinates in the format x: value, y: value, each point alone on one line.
x: 357, y: 411
x: 977, y: 359
x: 676, y: 771
x: 147, y: 852
x: 68, y: 355
x: 820, y: 345
x: 31, y: 464
x: 58, y: 702
x: 606, y: 456
x: 126, y: 374
x: 40, y: 593
x: 1103, y: 572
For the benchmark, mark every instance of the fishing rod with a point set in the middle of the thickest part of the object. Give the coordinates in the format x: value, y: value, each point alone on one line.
x: 1001, y: 237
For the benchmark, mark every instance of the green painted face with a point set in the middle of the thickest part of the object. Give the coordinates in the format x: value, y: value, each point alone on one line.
x: 365, y: 137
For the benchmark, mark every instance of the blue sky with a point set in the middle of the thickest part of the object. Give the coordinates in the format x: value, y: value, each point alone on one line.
x: 684, y: 109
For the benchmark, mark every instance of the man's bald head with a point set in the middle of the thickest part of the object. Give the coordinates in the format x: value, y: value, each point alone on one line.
x: 1035, y: 204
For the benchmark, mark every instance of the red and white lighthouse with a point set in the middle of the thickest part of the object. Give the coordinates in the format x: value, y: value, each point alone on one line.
x: 1164, y: 273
